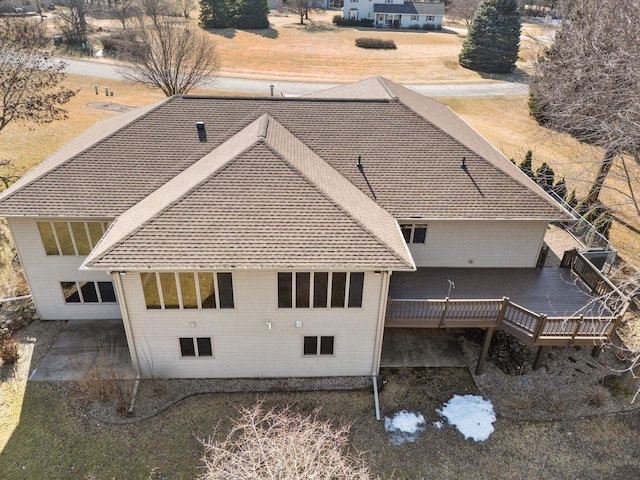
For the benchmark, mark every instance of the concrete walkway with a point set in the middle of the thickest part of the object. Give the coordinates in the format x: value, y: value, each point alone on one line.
x: 420, y: 347
x: 84, y: 344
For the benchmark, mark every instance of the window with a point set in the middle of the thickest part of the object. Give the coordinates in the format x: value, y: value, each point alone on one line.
x: 187, y: 290
x: 88, y: 292
x: 414, y: 18
x: 196, y: 347
x: 321, y: 345
x: 320, y: 289
x: 430, y: 18
x: 414, y: 233
x: 71, y: 238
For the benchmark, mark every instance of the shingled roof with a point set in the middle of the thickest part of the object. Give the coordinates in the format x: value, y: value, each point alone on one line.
x: 262, y: 199
x: 412, y: 8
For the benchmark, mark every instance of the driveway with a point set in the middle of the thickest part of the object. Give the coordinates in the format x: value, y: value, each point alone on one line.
x: 83, y: 345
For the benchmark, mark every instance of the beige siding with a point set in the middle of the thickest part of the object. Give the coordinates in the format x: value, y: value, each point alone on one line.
x: 480, y: 244
x: 243, y: 345
x: 44, y: 274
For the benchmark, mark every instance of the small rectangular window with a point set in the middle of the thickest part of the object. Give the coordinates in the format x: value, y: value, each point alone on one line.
x: 204, y: 347
x: 338, y: 284
x: 207, y: 290
x: 80, y: 235
x: 95, y: 232
x: 414, y: 18
x: 64, y: 238
x: 356, y: 283
x: 284, y: 290
x: 320, y: 284
x: 187, y: 348
x: 89, y: 294
x: 188, y: 290
x: 169, y: 290
x: 303, y: 282
x: 150, y: 289
x: 225, y: 290
x: 326, y: 345
x: 48, y: 238
x: 70, y: 292
x: 310, y: 345
x: 419, y: 234
x: 106, y: 292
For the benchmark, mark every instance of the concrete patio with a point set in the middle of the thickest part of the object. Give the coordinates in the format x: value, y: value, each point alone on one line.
x: 419, y: 347
x: 84, y: 344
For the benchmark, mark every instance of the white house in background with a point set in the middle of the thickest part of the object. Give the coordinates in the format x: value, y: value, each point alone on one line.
x: 396, y: 13
x: 248, y: 237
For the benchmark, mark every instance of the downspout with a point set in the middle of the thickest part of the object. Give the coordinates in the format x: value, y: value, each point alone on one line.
x: 117, y: 281
x: 382, y: 312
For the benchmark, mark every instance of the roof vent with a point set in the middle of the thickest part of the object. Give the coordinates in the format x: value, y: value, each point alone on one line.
x: 202, y: 133
x: 463, y: 165
x: 360, y: 167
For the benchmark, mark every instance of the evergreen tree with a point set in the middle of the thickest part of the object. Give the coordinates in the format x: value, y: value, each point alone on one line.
x: 253, y: 14
x: 218, y: 13
x: 545, y: 176
x: 525, y: 166
x: 494, y: 38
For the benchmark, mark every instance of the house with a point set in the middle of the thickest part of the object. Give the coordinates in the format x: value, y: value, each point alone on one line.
x: 260, y: 237
x: 396, y: 13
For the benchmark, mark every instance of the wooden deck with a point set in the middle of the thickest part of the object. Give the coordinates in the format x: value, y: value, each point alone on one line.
x: 555, y: 292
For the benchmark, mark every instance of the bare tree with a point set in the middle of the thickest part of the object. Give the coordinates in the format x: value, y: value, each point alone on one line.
x: 302, y: 8
x: 282, y: 444
x: 124, y: 10
x: 169, y: 54
x: 586, y: 81
x: 73, y: 21
x: 464, y: 10
x: 29, y: 77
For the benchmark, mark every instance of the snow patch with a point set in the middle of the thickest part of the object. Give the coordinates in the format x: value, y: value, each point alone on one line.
x: 471, y: 415
x: 404, y: 427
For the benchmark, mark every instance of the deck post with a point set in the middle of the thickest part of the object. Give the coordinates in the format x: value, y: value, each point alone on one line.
x: 537, y: 363
x: 444, y: 312
x: 503, y: 311
x: 488, y: 335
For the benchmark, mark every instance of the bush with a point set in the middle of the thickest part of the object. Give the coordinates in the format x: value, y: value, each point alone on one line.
x: 365, y: 42
x: 9, y: 350
x: 430, y: 26
x: 340, y: 21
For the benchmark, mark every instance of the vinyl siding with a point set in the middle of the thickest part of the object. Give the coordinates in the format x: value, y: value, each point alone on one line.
x: 243, y: 345
x: 480, y: 244
x: 44, y: 274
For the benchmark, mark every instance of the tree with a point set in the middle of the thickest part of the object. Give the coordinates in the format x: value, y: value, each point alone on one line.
x: 586, y: 82
x: 218, y: 13
x: 30, y: 78
x: 464, y: 10
x: 282, y: 444
x: 493, y: 40
x: 253, y: 14
x: 169, y: 54
x: 73, y: 21
x: 125, y: 10
x: 301, y: 8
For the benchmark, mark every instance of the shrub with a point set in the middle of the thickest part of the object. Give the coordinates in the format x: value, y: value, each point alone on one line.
x: 340, y: 21
x: 429, y: 26
x: 9, y: 350
x: 282, y: 444
x: 379, y: 43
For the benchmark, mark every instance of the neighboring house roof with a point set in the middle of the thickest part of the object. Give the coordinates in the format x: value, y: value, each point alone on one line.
x: 411, y: 150
x: 411, y: 8
x: 262, y: 199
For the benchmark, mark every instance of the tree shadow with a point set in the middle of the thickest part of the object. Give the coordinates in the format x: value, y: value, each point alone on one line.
x: 517, y: 76
x: 222, y: 32
x: 231, y: 32
x: 319, y: 27
x: 269, y: 32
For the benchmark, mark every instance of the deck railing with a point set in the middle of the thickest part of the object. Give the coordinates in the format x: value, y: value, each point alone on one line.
x: 531, y: 327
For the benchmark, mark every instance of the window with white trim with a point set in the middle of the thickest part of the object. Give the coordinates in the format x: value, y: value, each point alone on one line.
x: 196, y: 347
x: 414, y: 233
x: 71, y: 238
x: 414, y: 18
x: 313, y: 346
x: 320, y: 289
x: 88, y: 292
x: 430, y: 18
x: 187, y: 290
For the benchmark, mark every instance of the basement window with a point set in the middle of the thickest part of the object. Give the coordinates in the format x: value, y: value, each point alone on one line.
x: 196, y: 347
x: 318, y: 345
x: 88, y: 292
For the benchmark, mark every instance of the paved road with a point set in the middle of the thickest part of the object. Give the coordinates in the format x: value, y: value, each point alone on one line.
x: 244, y: 85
